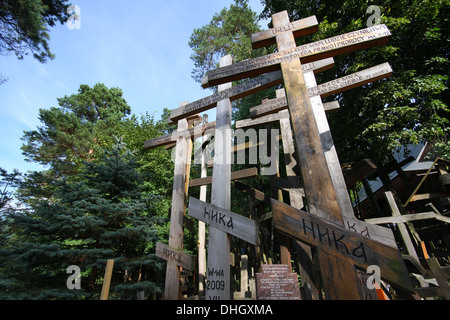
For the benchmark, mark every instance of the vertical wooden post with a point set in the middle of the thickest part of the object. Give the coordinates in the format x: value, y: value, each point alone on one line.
x: 172, y: 283
x: 201, y: 224
x: 107, y: 280
x: 218, y: 268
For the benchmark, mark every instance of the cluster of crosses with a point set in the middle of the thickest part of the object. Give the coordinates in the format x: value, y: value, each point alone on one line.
x: 343, y: 244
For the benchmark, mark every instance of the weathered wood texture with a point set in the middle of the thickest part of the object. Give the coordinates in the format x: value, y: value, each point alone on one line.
x: 312, y: 162
x: 201, y: 224
x: 180, y: 258
x: 381, y: 234
x: 326, y: 89
x: 224, y: 220
x: 252, y: 192
x: 235, y: 175
x: 233, y: 93
x: 260, y: 117
x: 316, y: 178
x: 409, y: 217
x: 345, y: 43
x: 296, y: 195
x: 241, y: 90
x: 337, y: 241
x: 300, y: 28
x: 107, y: 280
x: 358, y: 171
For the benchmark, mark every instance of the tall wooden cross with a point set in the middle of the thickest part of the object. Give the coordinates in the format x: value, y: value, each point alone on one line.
x: 339, y: 275
x: 218, y: 263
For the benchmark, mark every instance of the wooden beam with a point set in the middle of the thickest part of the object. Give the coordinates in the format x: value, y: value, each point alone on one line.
x: 358, y: 171
x: 428, y: 196
x: 403, y: 230
x: 172, y: 281
x: 441, y: 278
x: 252, y: 192
x: 107, y: 280
x: 235, y: 175
x: 321, y: 197
x: 233, y: 93
x: 180, y: 258
x: 241, y: 90
x: 275, y: 117
x: 219, y: 241
x: 341, y: 243
x: 201, y: 224
x: 299, y: 28
x: 224, y: 220
x: 326, y: 89
x: 267, y: 119
x: 345, y: 43
x: 409, y: 217
x: 169, y: 139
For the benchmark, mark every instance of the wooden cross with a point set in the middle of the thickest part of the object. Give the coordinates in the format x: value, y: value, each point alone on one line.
x: 339, y: 275
x: 107, y: 280
x: 218, y: 261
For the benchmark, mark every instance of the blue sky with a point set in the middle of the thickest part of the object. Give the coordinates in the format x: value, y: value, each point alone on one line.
x: 140, y: 46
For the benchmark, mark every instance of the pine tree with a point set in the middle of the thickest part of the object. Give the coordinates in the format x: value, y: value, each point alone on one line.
x: 102, y: 215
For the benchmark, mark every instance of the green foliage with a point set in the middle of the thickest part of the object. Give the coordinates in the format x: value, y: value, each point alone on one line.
x: 104, y: 215
x: 408, y: 108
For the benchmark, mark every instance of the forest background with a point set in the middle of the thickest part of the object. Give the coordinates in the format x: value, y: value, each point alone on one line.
x: 100, y: 196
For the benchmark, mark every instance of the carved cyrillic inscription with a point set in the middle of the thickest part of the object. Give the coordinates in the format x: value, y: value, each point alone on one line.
x: 306, y: 53
x: 334, y: 86
x: 224, y: 220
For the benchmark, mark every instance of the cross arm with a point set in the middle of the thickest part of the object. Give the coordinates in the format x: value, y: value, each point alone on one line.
x: 299, y: 28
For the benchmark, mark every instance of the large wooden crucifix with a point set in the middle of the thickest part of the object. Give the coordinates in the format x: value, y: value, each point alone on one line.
x: 339, y: 275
